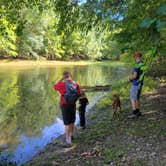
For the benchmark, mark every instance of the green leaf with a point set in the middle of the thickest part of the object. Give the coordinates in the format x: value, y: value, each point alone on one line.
x: 162, y: 10
x: 160, y: 25
x: 147, y: 22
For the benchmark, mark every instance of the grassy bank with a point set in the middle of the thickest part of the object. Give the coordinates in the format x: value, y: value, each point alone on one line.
x: 118, y: 142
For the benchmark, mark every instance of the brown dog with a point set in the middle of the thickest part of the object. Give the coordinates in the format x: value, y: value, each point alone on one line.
x: 116, y: 104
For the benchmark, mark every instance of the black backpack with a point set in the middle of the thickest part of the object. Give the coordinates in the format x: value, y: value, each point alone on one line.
x: 71, y: 95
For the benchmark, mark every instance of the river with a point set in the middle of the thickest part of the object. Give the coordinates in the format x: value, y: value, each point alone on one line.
x: 30, y: 117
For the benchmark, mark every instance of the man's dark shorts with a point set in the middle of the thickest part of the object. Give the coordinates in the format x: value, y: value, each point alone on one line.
x: 68, y: 114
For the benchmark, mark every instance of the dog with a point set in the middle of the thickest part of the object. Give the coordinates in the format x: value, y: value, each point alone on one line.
x: 116, y: 104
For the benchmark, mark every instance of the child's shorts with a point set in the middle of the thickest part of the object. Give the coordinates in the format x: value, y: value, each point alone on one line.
x: 135, y: 92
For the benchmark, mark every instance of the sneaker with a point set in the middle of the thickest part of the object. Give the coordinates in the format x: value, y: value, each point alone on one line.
x: 132, y: 116
x: 72, y: 137
x: 138, y: 114
x: 67, y: 145
x: 135, y: 112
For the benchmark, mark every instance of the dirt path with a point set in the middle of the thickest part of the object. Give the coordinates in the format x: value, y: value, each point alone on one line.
x: 119, y: 142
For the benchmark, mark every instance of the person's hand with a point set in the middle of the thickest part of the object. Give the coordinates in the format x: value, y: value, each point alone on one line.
x: 78, y: 106
x: 129, y: 78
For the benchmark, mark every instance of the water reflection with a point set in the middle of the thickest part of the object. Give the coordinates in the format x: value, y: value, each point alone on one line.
x: 30, y: 146
x: 29, y: 105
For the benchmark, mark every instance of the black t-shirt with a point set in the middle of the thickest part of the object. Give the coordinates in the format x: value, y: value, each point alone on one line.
x: 83, y: 101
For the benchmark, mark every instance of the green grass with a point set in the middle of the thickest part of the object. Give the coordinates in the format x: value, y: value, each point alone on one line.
x: 111, y: 155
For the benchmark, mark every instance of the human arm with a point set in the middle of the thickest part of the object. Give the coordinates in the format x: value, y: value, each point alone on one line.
x: 133, y: 76
x: 59, y: 86
x: 87, y: 101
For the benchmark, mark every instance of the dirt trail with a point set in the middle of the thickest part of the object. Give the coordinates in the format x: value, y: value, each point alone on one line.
x: 119, y: 142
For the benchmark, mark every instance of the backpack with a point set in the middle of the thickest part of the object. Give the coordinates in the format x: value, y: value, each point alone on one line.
x: 71, y: 95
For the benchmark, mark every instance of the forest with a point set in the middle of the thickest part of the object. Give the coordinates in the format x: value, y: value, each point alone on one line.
x: 95, y: 40
x: 82, y: 29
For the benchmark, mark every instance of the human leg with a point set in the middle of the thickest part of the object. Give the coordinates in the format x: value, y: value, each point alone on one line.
x: 134, y: 97
x: 72, y: 131
x: 138, y: 113
x: 70, y: 120
x: 67, y: 122
x: 133, y: 104
x: 82, y: 117
x: 67, y: 134
x: 68, y: 113
x: 137, y: 103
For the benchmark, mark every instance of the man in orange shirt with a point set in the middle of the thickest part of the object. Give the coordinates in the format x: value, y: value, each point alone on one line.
x: 68, y: 109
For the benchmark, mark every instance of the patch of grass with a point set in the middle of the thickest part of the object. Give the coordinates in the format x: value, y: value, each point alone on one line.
x: 94, y: 136
x: 110, y: 155
x: 93, y: 116
x: 130, y: 145
x: 138, y: 163
x: 162, y: 132
x: 88, y: 163
x: 6, y: 163
x: 149, y: 85
x: 137, y: 131
x: 104, y: 103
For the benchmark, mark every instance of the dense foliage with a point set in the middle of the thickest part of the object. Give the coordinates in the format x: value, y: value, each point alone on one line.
x: 90, y: 29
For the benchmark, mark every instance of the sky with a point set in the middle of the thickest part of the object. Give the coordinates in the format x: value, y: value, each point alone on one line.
x: 82, y: 1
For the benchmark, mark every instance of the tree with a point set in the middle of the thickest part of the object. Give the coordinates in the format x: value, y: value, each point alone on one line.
x: 7, y: 35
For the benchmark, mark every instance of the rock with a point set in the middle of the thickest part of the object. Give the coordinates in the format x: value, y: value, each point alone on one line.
x: 164, y: 156
x: 153, y: 154
x: 111, y: 163
x: 148, y: 145
x: 138, y: 149
x: 133, y: 142
x: 54, y: 163
x: 123, y: 159
x: 128, y: 158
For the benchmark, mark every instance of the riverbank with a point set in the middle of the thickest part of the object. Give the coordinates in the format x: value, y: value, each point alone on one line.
x: 43, y: 63
x: 118, y: 142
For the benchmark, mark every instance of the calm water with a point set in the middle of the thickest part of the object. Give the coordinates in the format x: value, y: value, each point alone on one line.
x: 29, y: 107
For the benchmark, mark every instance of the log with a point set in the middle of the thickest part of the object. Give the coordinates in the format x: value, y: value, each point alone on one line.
x: 96, y: 87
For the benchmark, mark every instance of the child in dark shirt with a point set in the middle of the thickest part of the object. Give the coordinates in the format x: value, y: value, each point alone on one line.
x: 83, y: 101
